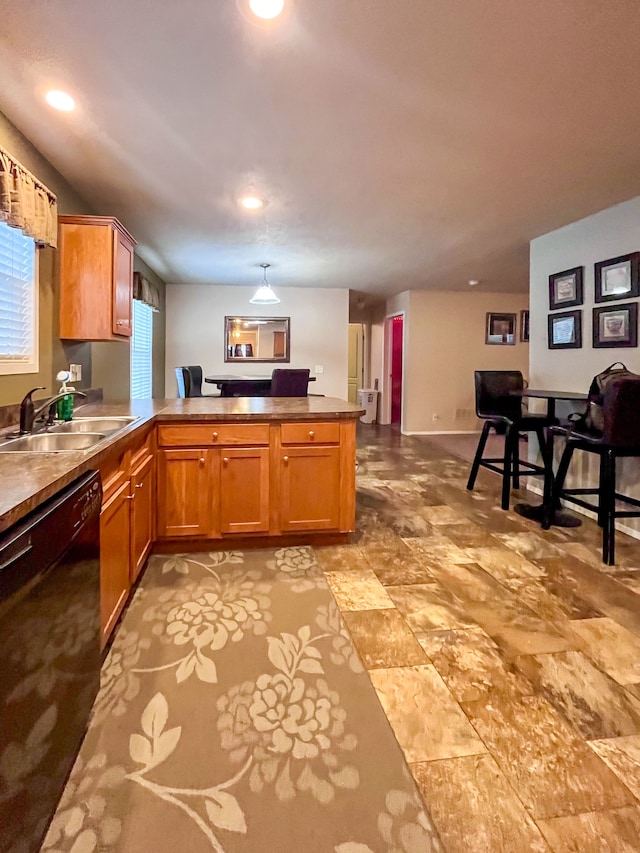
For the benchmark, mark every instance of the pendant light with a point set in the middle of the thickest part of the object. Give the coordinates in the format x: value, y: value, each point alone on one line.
x: 264, y: 295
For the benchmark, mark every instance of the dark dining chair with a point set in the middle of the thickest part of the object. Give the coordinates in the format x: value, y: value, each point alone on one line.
x: 182, y: 380
x: 287, y: 382
x: 500, y: 407
x: 619, y: 438
x: 191, y: 383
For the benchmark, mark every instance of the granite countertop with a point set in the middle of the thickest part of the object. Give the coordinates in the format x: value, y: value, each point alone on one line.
x: 27, y: 479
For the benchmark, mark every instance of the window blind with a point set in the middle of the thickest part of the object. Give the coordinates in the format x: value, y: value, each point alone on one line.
x: 141, y: 351
x: 17, y: 299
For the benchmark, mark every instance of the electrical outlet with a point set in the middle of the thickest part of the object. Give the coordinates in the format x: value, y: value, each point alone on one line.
x: 319, y: 368
x: 75, y: 371
x: 435, y: 417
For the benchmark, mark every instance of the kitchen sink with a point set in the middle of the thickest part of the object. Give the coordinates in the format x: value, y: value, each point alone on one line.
x: 103, y: 425
x: 50, y: 442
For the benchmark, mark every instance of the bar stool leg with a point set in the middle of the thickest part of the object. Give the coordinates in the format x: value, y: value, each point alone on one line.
x: 516, y: 459
x: 508, y: 458
x: 553, y: 500
x: 477, y: 459
x: 608, y: 501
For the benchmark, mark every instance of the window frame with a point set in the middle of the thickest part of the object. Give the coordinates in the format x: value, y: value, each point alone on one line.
x: 12, y: 367
x: 150, y: 351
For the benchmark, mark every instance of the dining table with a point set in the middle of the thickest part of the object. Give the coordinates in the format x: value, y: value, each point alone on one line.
x: 535, y: 512
x: 239, y: 384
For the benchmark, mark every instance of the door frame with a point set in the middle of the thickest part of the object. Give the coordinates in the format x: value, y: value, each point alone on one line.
x: 386, y: 389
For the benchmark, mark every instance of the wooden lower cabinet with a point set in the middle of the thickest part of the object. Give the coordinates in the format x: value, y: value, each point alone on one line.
x: 309, y: 488
x: 142, y: 513
x: 184, y: 492
x: 244, y: 490
x: 115, y: 534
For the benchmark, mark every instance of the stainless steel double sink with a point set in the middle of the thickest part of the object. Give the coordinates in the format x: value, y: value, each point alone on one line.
x: 78, y: 434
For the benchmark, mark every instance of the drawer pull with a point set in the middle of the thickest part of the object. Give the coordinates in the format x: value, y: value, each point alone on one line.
x: 129, y: 497
x: 202, y: 460
x: 311, y: 433
x: 285, y: 459
x: 215, y: 436
x: 139, y: 485
x: 225, y: 460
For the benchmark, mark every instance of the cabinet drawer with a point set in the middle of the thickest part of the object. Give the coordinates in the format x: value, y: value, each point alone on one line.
x: 310, y: 433
x: 205, y: 435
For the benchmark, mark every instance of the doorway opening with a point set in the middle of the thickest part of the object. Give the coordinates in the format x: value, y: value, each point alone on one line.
x: 395, y: 343
x: 356, y: 360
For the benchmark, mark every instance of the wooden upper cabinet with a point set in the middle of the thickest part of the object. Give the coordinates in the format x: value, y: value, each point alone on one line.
x: 96, y: 278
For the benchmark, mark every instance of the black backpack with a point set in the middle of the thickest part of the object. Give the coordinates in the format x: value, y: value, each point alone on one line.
x: 593, y: 419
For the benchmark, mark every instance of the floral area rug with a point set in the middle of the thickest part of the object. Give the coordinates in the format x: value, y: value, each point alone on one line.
x: 234, y: 715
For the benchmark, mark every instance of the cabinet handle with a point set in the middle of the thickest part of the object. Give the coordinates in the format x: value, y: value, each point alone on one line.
x: 129, y: 497
x: 311, y: 433
x: 215, y: 436
x: 285, y: 459
x: 225, y: 461
x: 139, y: 485
x: 202, y: 460
x: 121, y: 323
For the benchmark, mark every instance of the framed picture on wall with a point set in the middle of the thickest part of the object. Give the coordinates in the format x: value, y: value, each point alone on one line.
x: 565, y: 288
x: 616, y: 326
x: 524, y: 326
x: 565, y: 330
x: 501, y: 329
x: 617, y: 278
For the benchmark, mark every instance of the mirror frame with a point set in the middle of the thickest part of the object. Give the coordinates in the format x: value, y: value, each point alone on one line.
x: 246, y: 360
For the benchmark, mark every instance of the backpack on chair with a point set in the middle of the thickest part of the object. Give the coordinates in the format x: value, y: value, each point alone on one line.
x: 593, y: 419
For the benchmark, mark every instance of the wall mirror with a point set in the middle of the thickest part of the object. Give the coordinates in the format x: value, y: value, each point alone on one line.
x: 251, y: 339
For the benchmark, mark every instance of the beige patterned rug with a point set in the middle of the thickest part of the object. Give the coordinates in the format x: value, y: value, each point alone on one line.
x: 234, y: 715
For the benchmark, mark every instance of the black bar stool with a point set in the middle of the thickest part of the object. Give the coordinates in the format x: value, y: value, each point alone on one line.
x: 620, y: 438
x: 498, y: 404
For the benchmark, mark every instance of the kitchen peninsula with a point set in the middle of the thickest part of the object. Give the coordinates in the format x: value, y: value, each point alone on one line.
x: 202, y: 473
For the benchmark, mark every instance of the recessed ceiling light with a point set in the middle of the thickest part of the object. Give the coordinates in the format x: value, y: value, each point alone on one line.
x: 251, y: 202
x: 473, y: 282
x: 266, y: 9
x: 60, y: 100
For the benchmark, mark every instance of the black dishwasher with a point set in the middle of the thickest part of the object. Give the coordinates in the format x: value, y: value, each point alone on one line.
x: 49, y: 655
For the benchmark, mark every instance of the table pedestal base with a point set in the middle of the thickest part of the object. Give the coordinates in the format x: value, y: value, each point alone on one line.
x: 560, y: 518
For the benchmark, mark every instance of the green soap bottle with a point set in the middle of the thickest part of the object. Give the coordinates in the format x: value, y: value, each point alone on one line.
x: 64, y: 406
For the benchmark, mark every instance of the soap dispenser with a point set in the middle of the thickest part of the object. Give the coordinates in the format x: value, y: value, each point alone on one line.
x: 64, y: 407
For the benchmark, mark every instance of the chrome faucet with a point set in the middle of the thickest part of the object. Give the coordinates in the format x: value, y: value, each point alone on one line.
x: 29, y: 413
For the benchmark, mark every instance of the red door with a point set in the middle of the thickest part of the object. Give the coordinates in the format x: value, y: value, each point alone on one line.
x: 396, y: 369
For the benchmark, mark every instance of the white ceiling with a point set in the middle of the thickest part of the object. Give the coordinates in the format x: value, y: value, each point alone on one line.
x: 400, y: 144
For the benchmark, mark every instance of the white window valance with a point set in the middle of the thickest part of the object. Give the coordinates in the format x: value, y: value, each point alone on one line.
x: 26, y: 203
x: 145, y: 292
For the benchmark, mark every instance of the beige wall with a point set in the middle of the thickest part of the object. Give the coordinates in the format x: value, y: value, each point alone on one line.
x: 103, y: 365
x: 53, y: 354
x: 608, y: 234
x: 444, y: 337
x: 319, y: 331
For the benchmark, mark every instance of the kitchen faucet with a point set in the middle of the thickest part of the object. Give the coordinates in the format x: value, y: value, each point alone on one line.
x: 29, y: 413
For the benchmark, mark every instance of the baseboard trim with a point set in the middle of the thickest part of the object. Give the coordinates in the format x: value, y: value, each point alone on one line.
x: 442, y: 432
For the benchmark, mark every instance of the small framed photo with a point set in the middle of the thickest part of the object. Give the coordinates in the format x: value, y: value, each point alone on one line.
x: 501, y: 329
x: 616, y: 326
x: 565, y: 330
x: 617, y: 278
x: 524, y: 326
x: 565, y: 288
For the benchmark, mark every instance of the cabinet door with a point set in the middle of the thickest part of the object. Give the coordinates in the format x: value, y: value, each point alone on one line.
x: 115, y: 533
x: 310, y: 488
x: 244, y: 490
x: 122, y: 284
x: 185, y: 486
x: 142, y: 490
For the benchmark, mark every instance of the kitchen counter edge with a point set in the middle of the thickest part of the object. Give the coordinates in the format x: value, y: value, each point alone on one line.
x: 29, y: 479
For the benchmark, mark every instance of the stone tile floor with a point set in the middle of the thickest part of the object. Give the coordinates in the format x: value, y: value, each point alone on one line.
x: 507, y: 659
